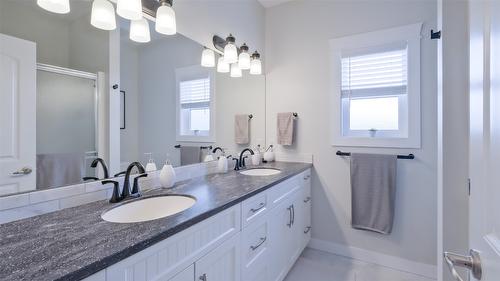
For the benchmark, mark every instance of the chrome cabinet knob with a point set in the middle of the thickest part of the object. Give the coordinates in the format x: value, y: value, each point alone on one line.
x: 23, y: 171
x: 471, y: 262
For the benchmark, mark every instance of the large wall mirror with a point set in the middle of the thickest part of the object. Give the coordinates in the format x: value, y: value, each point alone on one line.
x: 171, y: 108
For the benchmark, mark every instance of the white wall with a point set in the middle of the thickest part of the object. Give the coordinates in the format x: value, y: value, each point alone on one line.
x: 297, y: 50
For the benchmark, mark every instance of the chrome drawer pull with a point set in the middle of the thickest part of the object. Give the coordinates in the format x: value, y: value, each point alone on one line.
x: 289, y: 224
x: 261, y: 205
x: 307, y: 230
x: 203, y: 277
x: 308, y: 198
x: 23, y: 171
x: 262, y: 240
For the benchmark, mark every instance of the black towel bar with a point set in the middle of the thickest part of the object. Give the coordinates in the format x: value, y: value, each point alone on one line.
x: 409, y: 156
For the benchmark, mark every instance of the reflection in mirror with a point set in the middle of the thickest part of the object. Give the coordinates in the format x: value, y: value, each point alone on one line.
x: 179, y: 111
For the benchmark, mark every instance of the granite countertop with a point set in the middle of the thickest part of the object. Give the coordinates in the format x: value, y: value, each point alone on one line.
x: 75, y: 243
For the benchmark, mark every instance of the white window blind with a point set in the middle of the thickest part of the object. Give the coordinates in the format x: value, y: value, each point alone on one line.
x: 195, y: 91
x: 383, y: 73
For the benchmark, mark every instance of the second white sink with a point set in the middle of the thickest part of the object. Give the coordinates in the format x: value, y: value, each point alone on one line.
x: 149, y: 209
x: 260, y: 172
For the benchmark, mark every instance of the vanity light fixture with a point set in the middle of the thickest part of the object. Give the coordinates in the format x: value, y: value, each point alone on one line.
x: 139, y: 31
x: 222, y: 65
x: 103, y: 15
x: 165, y: 18
x: 230, y: 50
x: 244, y: 57
x: 235, y: 71
x: 256, y: 64
x: 55, y: 6
x: 208, y: 58
x: 129, y: 9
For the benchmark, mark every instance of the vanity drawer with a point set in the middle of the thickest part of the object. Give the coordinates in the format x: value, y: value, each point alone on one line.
x: 284, y: 190
x: 255, y: 250
x: 254, y: 208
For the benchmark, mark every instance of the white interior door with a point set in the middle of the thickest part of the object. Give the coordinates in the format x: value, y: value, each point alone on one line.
x: 17, y: 115
x: 483, y: 260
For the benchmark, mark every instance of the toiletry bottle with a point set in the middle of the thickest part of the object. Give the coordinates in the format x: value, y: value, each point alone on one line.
x: 269, y: 154
x: 256, y: 156
x: 222, y: 163
x: 151, y: 165
x: 167, y: 175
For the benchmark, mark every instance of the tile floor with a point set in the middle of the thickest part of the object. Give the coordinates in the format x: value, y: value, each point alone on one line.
x: 314, y: 265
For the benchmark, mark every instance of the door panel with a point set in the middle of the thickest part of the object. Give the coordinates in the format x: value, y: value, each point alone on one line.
x: 222, y: 264
x: 17, y: 114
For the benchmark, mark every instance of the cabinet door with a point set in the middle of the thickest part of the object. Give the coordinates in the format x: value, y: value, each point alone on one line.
x: 281, y: 239
x: 255, y: 251
x: 222, y: 264
x: 185, y: 275
x: 303, y: 213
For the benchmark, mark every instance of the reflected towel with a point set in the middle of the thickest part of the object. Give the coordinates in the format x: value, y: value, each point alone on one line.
x: 190, y: 155
x: 285, y: 128
x: 59, y: 169
x: 241, y: 128
x: 373, y: 190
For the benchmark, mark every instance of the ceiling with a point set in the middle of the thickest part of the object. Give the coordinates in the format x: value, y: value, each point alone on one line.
x: 271, y: 3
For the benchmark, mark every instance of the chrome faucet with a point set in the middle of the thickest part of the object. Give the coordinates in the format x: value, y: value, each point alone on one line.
x: 126, y: 183
x: 242, y: 158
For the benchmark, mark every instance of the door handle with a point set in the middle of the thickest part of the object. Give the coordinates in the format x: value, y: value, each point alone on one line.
x: 262, y: 240
x: 293, y: 214
x: 23, y: 171
x: 471, y: 262
x: 203, y: 277
x: 289, y: 224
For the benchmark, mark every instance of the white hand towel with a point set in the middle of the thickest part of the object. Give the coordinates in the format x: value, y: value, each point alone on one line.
x: 241, y: 129
x: 285, y: 128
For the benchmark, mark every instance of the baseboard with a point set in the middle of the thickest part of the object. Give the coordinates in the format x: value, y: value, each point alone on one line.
x: 427, y: 270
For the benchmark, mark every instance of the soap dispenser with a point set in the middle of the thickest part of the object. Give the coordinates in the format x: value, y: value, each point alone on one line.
x: 167, y: 174
x: 222, y: 164
x: 269, y: 154
x: 256, y: 156
x: 151, y: 165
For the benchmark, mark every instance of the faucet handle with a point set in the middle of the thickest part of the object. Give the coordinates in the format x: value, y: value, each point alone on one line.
x: 90, y: 178
x: 136, y: 190
x: 120, y: 174
x: 116, y: 191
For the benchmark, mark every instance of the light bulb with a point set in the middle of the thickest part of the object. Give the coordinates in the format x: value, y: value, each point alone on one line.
x: 230, y: 50
x: 55, y: 6
x: 208, y: 58
x: 165, y: 19
x: 103, y: 15
x: 129, y: 9
x: 235, y: 71
x: 255, y: 64
x: 244, y: 57
x: 139, y: 31
x: 222, y: 65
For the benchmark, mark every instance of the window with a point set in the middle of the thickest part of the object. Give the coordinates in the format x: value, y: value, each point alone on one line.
x: 376, y: 88
x: 195, y: 104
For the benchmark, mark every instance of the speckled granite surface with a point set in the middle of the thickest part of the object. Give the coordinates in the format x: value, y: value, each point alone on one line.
x: 75, y: 243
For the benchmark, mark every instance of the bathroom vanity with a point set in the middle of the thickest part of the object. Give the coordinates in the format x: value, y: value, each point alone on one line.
x: 240, y: 228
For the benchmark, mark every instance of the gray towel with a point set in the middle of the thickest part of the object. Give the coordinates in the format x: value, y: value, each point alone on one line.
x: 190, y: 155
x: 241, y: 129
x: 285, y: 128
x: 373, y: 186
x: 59, y: 169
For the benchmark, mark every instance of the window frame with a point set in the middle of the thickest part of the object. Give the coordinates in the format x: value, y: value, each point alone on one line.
x: 193, y: 73
x: 409, y: 135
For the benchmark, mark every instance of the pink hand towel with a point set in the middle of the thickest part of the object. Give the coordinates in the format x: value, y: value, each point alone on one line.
x: 285, y: 128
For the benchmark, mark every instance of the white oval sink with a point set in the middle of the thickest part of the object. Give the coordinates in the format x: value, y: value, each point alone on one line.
x: 149, y: 209
x: 260, y: 172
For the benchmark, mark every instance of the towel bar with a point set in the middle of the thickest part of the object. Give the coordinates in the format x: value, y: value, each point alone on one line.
x: 409, y: 156
x: 201, y: 147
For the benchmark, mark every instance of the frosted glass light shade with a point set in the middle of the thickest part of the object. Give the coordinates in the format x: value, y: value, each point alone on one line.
x: 139, y: 31
x: 235, y: 71
x: 103, y: 15
x: 244, y: 60
x: 55, y: 6
x: 256, y: 67
x: 129, y: 9
x: 208, y: 58
x: 230, y: 53
x: 222, y: 66
x: 165, y: 20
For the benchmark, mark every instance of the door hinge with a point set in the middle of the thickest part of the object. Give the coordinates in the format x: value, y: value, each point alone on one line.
x: 435, y: 35
x: 468, y: 185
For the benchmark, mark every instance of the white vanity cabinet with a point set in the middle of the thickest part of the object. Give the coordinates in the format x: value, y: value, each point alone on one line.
x: 257, y: 240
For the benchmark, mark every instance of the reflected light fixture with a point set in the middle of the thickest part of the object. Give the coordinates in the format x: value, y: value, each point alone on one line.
x: 129, y: 9
x: 103, y: 15
x: 244, y: 57
x: 208, y: 58
x: 165, y: 18
x: 256, y: 64
x: 235, y: 71
x: 139, y: 31
x: 55, y: 6
x: 222, y: 65
x: 230, y: 50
